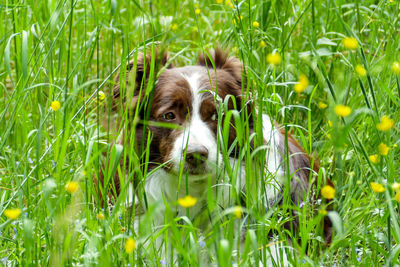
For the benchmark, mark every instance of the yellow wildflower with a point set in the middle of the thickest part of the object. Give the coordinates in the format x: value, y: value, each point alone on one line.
x: 396, y: 186
x: 100, y: 216
x: 174, y: 26
x: 342, y: 110
x: 397, y: 196
x: 302, y: 84
x: 12, y: 214
x: 55, y: 105
x: 197, y: 11
x: 274, y: 58
x: 187, y: 202
x: 396, y: 67
x: 130, y: 245
x: 219, y: 1
x: 323, y: 212
x: 374, y: 158
x: 102, y: 95
x: 256, y: 24
x: 377, y: 187
x: 350, y: 43
x: 328, y: 192
x: 330, y: 124
x: 383, y: 149
x: 72, y: 187
x: 361, y: 71
x: 262, y: 44
x: 238, y: 212
x: 385, y: 124
x: 322, y: 105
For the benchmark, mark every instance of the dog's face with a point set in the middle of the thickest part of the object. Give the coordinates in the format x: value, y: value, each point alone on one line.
x: 186, y: 99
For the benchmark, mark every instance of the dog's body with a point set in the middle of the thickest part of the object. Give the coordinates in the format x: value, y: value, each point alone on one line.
x: 186, y: 157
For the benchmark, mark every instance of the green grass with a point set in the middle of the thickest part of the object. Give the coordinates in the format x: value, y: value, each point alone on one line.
x: 68, y: 50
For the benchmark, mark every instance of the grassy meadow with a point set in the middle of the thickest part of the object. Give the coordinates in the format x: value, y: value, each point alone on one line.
x: 328, y: 71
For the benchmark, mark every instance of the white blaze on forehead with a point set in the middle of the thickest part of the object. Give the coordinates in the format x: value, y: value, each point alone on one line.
x: 196, y: 131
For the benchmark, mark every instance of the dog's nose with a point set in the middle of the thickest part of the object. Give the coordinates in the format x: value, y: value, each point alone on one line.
x: 196, y: 155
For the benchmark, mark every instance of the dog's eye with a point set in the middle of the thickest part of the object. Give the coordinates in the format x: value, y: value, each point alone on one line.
x: 169, y: 116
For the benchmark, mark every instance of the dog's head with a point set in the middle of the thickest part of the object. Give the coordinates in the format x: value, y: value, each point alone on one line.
x: 179, y: 109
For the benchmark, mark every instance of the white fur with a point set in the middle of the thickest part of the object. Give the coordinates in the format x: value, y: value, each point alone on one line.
x: 196, y: 132
x: 164, y: 187
x: 275, y: 174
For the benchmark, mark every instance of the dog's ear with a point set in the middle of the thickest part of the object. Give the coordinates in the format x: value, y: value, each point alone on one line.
x: 220, y: 60
x: 126, y: 92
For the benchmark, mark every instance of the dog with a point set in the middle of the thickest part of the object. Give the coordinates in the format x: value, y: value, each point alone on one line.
x: 187, y: 125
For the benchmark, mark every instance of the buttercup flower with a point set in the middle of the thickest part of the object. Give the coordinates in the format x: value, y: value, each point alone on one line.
x: 361, y: 70
x: 385, y: 124
x: 55, y: 105
x: 323, y: 212
x: 383, y: 149
x: 302, y: 84
x: 374, y: 158
x: 262, y: 44
x: 187, y: 201
x: 174, y: 26
x: 219, y: 1
x: 342, y: 110
x: 130, y: 245
x: 350, y: 43
x: 100, y: 216
x: 396, y: 186
x: 328, y: 192
x: 396, y: 67
x: 322, y: 105
x: 274, y: 58
x: 12, y: 214
x: 238, y: 212
x: 256, y: 24
x: 72, y: 187
x: 377, y: 187
x: 397, y: 197
x: 197, y: 11
x: 102, y: 95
